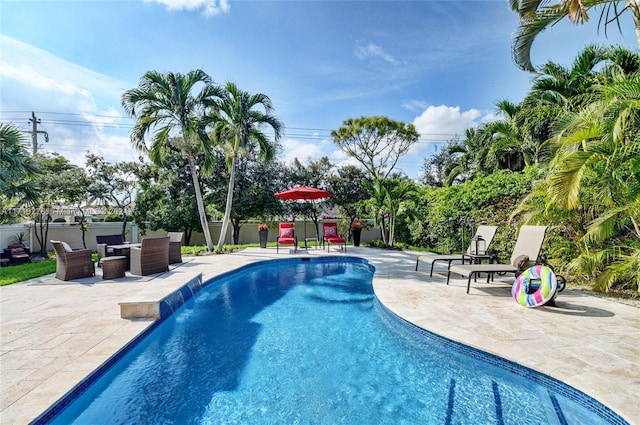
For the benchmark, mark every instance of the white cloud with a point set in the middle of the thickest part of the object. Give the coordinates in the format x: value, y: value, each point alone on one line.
x: 414, y: 105
x: 372, y: 50
x: 436, y: 125
x: 78, y: 108
x: 445, y: 120
x: 208, y: 8
x: 304, y: 151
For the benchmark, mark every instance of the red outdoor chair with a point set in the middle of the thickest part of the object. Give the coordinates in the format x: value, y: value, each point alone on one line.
x: 287, y: 236
x: 330, y: 235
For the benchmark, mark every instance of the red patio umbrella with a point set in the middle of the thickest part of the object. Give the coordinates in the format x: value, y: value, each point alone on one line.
x: 304, y: 193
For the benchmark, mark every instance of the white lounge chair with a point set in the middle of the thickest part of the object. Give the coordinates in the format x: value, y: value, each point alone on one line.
x: 487, y: 233
x: 527, y: 248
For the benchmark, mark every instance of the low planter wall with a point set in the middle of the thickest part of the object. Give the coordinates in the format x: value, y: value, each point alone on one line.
x: 72, y: 233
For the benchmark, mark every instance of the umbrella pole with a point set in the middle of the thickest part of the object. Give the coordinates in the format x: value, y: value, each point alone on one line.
x: 305, y: 231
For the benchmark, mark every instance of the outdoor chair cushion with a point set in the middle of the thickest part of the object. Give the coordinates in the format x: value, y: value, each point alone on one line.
x: 286, y: 233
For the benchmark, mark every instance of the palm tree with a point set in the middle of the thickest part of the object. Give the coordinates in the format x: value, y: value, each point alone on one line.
x: 16, y: 169
x: 602, y: 137
x: 537, y: 15
x: 236, y: 126
x: 398, y: 191
x: 462, y: 153
x: 597, y: 168
x: 174, y: 107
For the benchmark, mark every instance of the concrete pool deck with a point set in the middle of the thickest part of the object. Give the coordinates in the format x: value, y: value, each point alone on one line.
x: 54, y: 333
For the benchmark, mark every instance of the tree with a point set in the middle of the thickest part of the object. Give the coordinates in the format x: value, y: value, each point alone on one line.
x: 164, y: 104
x: 17, y: 170
x: 166, y: 198
x: 255, y: 184
x: 434, y: 167
x: 237, y: 126
x: 396, y: 192
x: 74, y: 190
x: 113, y: 184
x: 348, y: 189
x: 537, y: 15
x: 463, y: 163
x: 375, y: 142
x: 60, y: 183
x: 597, y: 169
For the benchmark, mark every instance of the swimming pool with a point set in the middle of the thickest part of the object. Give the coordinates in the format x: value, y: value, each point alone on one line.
x: 289, y: 341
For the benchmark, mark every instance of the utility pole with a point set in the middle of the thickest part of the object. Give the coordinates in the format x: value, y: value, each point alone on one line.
x: 34, y: 132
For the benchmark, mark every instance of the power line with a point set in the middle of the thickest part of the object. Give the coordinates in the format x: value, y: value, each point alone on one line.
x: 427, y: 136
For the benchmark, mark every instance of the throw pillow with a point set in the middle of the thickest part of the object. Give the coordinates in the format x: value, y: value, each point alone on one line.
x: 66, y: 247
x: 286, y: 233
x: 330, y: 232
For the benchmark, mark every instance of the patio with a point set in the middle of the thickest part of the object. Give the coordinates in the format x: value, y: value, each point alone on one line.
x: 55, y: 333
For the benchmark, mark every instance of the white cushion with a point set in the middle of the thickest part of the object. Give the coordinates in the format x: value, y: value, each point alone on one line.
x: 66, y: 247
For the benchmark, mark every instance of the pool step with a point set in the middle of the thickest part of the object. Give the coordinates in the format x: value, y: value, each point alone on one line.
x: 499, y: 420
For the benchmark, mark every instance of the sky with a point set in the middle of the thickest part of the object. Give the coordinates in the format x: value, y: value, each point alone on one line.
x: 441, y: 65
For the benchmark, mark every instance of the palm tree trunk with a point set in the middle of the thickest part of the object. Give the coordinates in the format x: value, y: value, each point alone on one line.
x: 201, y: 211
x: 227, y: 210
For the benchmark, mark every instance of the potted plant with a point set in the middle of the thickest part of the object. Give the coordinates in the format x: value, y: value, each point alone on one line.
x: 18, y: 239
x: 263, y: 232
x: 356, y: 229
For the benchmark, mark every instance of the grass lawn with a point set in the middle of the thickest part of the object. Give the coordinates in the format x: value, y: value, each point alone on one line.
x: 13, y: 274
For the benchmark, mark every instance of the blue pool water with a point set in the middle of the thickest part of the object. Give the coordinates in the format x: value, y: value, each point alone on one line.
x: 288, y: 342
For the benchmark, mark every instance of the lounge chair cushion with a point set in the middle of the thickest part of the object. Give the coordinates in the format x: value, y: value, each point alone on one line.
x: 330, y: 232
x: 286, y: 233
x: 66, y: 247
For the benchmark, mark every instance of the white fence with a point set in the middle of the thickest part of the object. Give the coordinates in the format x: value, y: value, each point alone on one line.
x: 72, y: 233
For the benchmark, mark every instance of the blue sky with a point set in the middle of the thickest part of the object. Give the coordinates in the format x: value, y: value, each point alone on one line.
x: 441, y: 65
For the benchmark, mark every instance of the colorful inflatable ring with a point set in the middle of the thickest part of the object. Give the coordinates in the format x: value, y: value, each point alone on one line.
x: 546, y: 290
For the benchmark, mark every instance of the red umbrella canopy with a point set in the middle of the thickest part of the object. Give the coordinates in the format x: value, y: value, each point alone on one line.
x: 303, y: 192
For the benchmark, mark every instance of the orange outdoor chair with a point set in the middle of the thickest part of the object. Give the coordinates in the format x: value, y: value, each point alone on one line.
x: 287, y: 236
x: 330, y: 235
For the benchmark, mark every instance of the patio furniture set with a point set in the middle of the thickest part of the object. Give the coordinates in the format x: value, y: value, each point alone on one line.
x: 115, y: 257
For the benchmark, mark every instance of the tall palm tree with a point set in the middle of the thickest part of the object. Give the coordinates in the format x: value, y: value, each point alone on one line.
x: 538, y: 15
x: 173, y: 107
x: 16, y: 168
x: 237, y: 127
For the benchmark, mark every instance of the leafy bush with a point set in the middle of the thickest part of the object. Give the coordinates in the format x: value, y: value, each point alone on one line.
x: 489, y: 199
x: 113, y: 218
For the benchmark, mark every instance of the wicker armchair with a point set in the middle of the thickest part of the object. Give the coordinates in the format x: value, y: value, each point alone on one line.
x: 151, y: 257
x: 72, y: 264
x: 175, y: 247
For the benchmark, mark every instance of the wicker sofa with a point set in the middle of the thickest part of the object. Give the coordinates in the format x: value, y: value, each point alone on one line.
x: 72, y: 264
x: 151, y: 257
